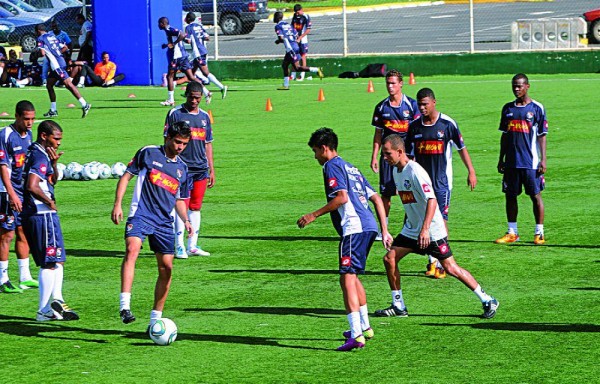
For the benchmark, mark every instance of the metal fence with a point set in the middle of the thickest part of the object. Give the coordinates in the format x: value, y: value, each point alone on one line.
x: 412, y: 27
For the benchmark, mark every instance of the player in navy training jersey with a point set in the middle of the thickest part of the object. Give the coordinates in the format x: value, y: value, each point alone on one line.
x: 41, y: 223
x: 15, y: 139
x: 159, y: 189
x: 391, y: 115
x: 430, y: 140
x: 198, y: 156
x: 302, y: 24
x: 177, y: 59
x: 52, y: 49
x: 288, y: 36
x: 348, y: 193
x: 523, y: 157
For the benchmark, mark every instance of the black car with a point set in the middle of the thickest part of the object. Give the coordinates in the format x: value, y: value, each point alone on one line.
x: 236, y: 17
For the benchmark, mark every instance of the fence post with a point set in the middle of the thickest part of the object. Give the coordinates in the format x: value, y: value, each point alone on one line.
x: 472, y: 28
x: 216, y: 25
x: 345, y: 28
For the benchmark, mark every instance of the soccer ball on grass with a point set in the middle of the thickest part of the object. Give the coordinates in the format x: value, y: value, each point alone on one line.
x: 163, y: 331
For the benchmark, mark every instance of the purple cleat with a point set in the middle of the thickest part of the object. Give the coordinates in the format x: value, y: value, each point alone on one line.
x: 351, y: 344
x: 367, y: 333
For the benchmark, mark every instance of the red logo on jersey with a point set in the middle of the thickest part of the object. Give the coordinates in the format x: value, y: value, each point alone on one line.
x: 2, y: 154
x: 397, y: 125
x: 332, y: 182
x: 164, y: 181
x: 50, y: 251
x: 443, y: 249
x: 407, y: 197
x: 346, y: 261
x: 518, y: 126
x: 426, y: 188
x: 130, y: 162
x: 198, y: 134
x: 43, y: 169
x: 19, y: 160
x: 430, y: 147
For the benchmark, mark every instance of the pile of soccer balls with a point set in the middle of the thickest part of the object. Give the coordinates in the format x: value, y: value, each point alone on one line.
x: 90, y: 171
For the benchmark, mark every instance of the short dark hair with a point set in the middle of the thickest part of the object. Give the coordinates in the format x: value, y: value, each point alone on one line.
x: 519, y: 76
x: 190, y: 16
x: 395, y: 140
x: 179, y: 128
x: 297, y: 7
x: 41, y: 28
x: 165, y: 19
x: 104, y: 53
x: 193, y: 86
x: 48, y: 127
x: 278, y: 16
x: 80, y: 16
x: 323, y: 136
x: 24, y: 106
x: 425, y: 92
x: 393, y: 73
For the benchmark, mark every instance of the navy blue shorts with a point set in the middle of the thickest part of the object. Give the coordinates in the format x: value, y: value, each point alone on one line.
x: 45, y: 239
x: 303, y: 48
x: 9, y: 219
x: 353, y: 252
x: 59, y: 74
x: 291, y: 57
x: 515, y: 178
x: 161, y: 239
x: 200, y: 61
x: 182, y: 64
x: 443, y: 199
x: 439, y: 249
x: 387, y: 187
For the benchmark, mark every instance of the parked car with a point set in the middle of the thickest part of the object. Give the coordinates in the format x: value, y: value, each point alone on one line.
x: 8, y: 23
x: 236, y: 17
x: 593, y: 19
x: 52, y: 4
x: 6, y: 28
x: 21, y: 9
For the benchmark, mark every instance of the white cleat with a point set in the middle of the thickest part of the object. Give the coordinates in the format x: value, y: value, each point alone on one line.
x: 167, y: 103
x: 181, y: 253
x: 198, y: 252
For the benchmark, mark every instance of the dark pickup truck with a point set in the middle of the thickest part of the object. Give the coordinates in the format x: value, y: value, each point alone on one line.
x: 236, y: 17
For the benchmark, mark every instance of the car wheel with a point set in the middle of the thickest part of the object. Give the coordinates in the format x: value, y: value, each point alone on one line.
x: 247, y: 28
x: 28, y: 43
x: 230, y: 24
x: 595, y: 32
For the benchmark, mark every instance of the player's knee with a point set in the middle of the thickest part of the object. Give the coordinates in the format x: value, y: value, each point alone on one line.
x: 389, y: 259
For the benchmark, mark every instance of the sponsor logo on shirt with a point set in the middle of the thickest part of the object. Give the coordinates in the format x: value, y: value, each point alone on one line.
x: 396, y: 125
x: 430, y: 147
x: 426, y: 188
x: 332, y: 182
x: 50, y: 251
x: 164, y: 181
x: 157, y: 164
x: 443, y: 249
x: 407, y: 197
x: 529, y: 116
x: 406, y: 184
x: 346, y: 261
x: 440, y: 134
x: 518, y: 126
x: 198, y: 134
x: 19, y: 160
x: 43, y: 169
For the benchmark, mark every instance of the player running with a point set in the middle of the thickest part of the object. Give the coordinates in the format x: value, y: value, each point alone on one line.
x: 302, y: 24
x: 424, y: 230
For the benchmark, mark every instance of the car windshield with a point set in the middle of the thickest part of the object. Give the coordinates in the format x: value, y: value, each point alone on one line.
x: 71, y: 3
x: 4, y: 13
x: 24, y: 6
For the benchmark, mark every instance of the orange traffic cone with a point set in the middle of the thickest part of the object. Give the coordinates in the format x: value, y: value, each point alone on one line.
x: 411, y: 79
x: 370, y: 88
x: 269, y: 107
x: 321, y: 95
x: 210, y: 116
x: 4, y: 114
x: 131, y: 96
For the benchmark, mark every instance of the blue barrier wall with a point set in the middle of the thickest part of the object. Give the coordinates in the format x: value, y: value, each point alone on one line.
x: 129, y: 32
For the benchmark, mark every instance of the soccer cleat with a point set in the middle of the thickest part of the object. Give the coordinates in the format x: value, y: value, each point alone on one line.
x: 299, y: 79
x: 440, y: 273
x: 320, y: 73
x: 197, y: 252
x: 539, y: 239
x: 64, y: 311
x: 168, y: 103
x: 392, y: 311
x: 208, y: 98
x: 181, y: 253
x: 489, y: 308
x: 86, y: 109
x: 51, y: 113
x: 224, y: 92
x: 283, y: 88
x: 7, y: 287
x: 29, y: 284
x: 508, y: 238
x: 80, y: 85
x: 126, y: 316
x: 47, y: 316
x: 351, y: 344
x: 431, y: 268
x: 367, y: 333
x: 15, y: 84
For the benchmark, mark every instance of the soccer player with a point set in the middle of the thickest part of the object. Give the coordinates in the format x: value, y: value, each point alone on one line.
x: 347, y: 192
x: 86, y: 49
x: 196, y: 36
x: 52, y: 49
x: 288, y: 36
x: 161, y: 187
x: 430, y: 139
x: 391, y: 116
x: 523, y: 157
x: 13, y: 69
x: 198, y: 156
x: 424, y: 230
x: 178, y: 60
x: 302, y: 24
x: 14, y: 141
x: 41, y: 223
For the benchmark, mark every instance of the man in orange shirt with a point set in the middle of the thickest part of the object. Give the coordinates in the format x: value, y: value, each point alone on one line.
x: 103, y: 73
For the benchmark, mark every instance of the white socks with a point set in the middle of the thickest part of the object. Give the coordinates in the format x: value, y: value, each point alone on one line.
x: 364, y: 317
x: 539, y: 229
x: 354, y: 321
x: 195, y: 219
x: 171, y: 96
x: 398, y: 300
x: 124, y: 300
x: 155, y: 315
x: 46, y: 278
x: 484, y: 297
x: 512, y: 228
x: 214, y: 80
x: 53, y: 105
x: 3, y: 271
x: 286, y: 81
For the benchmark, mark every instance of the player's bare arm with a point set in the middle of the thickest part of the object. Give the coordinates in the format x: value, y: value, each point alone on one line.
x: 182, y: 212
x: 424, y: 238
x: 211, y: 166
x: 542, y: 146
x: 33, y: 186
x: 53, y: 155
x: 386, y: 238
x: 376, y: 147
x: 117, y: 212
x: 503, y: 144
x: 466, y: 159
x: 15, y: 203
x: 340, y: 199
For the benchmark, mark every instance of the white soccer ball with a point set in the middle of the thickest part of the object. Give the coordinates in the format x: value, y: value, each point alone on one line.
x: 104, y: 171
x: 60, y: 167
x: 163, y: 331
x: 73, y: 171
x: 118, y: 169
x: 90, y: 171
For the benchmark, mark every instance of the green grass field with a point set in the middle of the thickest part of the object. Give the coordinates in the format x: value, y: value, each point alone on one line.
x: 266, y: 306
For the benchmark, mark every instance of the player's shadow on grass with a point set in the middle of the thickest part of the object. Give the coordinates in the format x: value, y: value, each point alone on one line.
x: 586, y: 289
x: 286, y: 311
x: 104, y: 253
x: 526, y: 327
x: 275, y: 238
x: 302, y: 272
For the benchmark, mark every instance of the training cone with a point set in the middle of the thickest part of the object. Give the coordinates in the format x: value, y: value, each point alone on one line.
x: 70, y: 105
x: 210, y: 116
x: 370, y: 88
x: 321, y: 95
x: 131, y: 96
x: 269, y: 107
x: 411, y: 79
x: 4, y: 114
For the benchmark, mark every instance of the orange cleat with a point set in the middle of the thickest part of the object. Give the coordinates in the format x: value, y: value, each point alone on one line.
x: 508, y: 238
x: 430, y: 269
x: 440, y: 273
x: 539, y: 239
